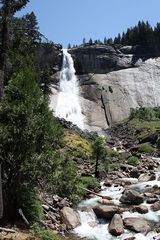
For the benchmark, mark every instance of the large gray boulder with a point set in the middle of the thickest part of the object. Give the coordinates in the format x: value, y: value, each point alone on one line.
x: 105, y: 211
x: 130, y: 196
x: 70, y: 217
x: 136, y: 224
x: 116, y: 225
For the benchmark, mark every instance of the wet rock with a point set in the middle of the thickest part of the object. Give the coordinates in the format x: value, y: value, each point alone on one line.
x: 116, y: 225
x: 136, y: 224
x: 70, y: 217
x: 120, y: 175
x: 105, y: 211
x: 126, y: 167
x: 151, y: 200
x: 108, y: 183
x: 156, y: 206
x: 141, y: 209
x: 130, y: 238
x: 130, y: 196
x: 129, y: 181
x: 107, y: 197
x: 146, y: 177
x: 106, y: 201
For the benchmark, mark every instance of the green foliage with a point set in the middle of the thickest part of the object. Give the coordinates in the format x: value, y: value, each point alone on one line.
x: 99, y: 152
x: 67, y: 181
x: 113, y: 153
x: 28, y: 137
x: 89, y: 182
x: 30, y: 203
x: 113, y: 166
x: 80, y: 147
x: 38, y: 231
x: 133, y: 160
x: 142, y: 34
x: 146, y: 114
x: 146, y: 148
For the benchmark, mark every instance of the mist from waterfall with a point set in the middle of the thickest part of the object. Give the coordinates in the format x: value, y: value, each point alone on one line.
x: 68, y: 102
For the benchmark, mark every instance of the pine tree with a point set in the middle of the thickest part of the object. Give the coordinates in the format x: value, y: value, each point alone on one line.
x: 8, y: 9
x: 84, y: 41
x: 105, y: 40
x: 90, y: 41
x: 69, y: 46
x: 29, y: 138
x: 99, y: 152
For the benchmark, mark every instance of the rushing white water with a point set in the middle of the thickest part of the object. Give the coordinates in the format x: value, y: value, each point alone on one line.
x: 68, y: 102
x: 91, y: 228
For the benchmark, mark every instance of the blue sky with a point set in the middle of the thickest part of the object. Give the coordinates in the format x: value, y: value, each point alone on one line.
x: 69, y: 21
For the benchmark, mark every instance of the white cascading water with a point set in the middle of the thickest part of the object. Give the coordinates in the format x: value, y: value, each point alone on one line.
x: 68, y: 102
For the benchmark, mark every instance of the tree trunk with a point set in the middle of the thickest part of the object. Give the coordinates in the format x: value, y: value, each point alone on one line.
x: 3, y: 66
x: 96, y: 167
x: 1, y: 196
x: 5, y: 44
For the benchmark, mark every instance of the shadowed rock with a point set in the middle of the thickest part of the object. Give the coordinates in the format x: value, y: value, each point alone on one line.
x: 130, y: 196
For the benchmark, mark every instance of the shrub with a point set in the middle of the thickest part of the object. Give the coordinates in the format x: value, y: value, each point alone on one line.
x: 113, y: 153
x: 31, y: 204
x: 133, y: 161
x: 113, y: 166
x: 37, y: 231
x: 146, y: 148
x: 89, y: 182
x: 144, y: 113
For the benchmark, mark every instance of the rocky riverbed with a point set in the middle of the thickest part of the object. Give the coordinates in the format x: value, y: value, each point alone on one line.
x: 129, y: 207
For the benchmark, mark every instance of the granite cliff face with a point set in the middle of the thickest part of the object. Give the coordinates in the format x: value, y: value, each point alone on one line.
x: 114, y: 79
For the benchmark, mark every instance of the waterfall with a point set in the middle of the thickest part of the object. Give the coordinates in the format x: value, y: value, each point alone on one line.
x: 68, y: 102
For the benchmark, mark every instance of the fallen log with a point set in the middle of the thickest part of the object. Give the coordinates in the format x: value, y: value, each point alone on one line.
x: 87, y: 190
x: 23, y: 217
x: 54, y: 220
x: 8, y: 230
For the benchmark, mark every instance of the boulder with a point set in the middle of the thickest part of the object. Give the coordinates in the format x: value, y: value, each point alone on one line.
x: 156, y: 206
x: 130, y: 196
x: 70, y: 217
x: 116, y: 225
x: 129, y: 181
x: 136, y: 224
x: 141, y: 209
x: 106, y: 201
x: 146, y: 177
x: 152, y: 200
x: 105, y: 211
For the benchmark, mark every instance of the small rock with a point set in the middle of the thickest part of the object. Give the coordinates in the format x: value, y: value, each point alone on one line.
x: 151, y: 200
x: 141, y: 209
